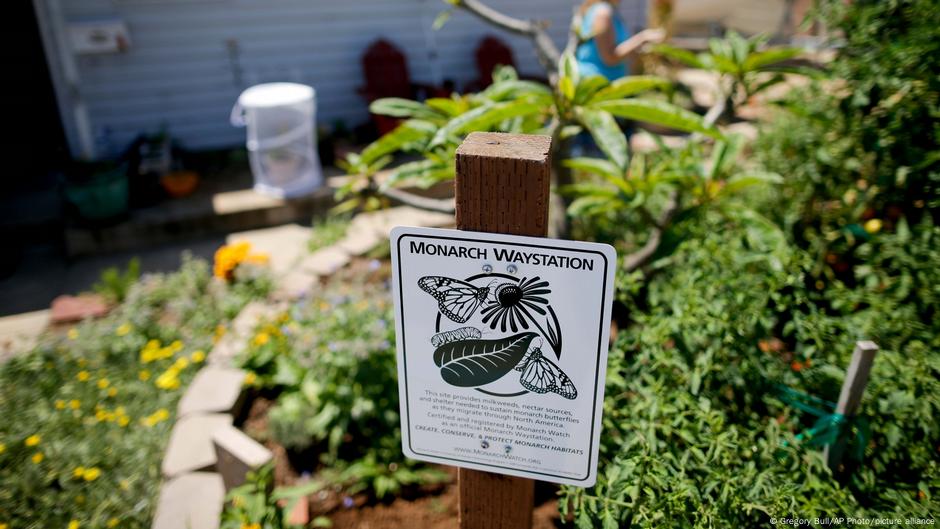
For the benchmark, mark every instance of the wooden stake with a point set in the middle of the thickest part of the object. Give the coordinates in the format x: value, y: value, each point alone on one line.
x: 856, y: 378
x: 502, y: 186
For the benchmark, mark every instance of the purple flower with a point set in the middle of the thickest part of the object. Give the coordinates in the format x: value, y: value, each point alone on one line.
x: 347, y: 502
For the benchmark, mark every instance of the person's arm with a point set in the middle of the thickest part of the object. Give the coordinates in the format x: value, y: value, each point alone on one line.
x: 602, y: 27
x: 634, y: 44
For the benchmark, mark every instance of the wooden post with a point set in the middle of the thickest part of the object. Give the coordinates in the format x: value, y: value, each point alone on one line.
x: 856, y: 378
x: 502, y: 186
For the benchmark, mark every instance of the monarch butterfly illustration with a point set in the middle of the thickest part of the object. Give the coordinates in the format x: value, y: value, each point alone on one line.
x: 541, y: 375
x: 456, y: 299
x: 463, y: 333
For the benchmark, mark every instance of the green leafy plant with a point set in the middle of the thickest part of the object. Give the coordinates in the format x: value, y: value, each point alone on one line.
x: 114, y: 284
x: 746, y: 66
x: 861, y: 153
x: 257, y: 504
x: 436, y: 127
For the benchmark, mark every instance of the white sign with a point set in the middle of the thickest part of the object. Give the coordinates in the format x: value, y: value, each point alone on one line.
x: 502, y: 350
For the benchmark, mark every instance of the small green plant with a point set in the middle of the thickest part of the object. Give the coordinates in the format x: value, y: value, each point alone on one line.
x: 328, y: 231
x: 114, y: 284
x: 746, y: 66
x: 257, y: 504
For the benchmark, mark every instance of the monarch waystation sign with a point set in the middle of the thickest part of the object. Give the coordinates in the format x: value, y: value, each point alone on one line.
x: 502, y: 350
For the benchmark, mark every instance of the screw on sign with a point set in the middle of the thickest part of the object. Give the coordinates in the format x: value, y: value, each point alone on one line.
x: 486, y: 381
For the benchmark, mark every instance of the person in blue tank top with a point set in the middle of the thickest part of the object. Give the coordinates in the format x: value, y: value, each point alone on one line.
x: 610, y: 45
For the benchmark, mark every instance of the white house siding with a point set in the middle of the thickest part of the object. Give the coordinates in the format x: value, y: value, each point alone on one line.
x: 181, y: 74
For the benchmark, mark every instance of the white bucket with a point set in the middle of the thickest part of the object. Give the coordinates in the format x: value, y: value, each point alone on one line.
x: 282, y: 139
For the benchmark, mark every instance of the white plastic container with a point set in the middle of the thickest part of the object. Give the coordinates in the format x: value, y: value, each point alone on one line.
x: 282, y: 139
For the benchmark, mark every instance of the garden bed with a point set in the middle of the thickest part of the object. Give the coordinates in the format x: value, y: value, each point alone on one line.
x: 87, y: 413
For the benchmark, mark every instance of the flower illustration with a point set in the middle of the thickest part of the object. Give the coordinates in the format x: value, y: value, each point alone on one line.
x: 515, y: 302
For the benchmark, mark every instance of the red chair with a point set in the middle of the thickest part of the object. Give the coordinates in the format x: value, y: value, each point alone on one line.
x: 386, y: 74
x: 491, y: 53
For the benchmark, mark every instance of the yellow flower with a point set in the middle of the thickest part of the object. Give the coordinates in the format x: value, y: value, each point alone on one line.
x: 123, y: 420
x: 124, y: 484
x: 4, y: 526
x: 162, y: 414
x: 91, y: 474
x: 873, y: 226
x: 112, y: 523
x: 60, y: 404
x: 181, y: 363
x: 73, y: 524
x: 219, y: 333
x: 3, y: 448
x: 103, y: 383
x: 73, y: 333
x: 168, y: 380
x: 254, y: 525
x: 83, y: 375
x: 144, y: 375
x: 37, y: 457
x: 176, y: 346
x: 74, y: 404
x: 78, y: 472
x: 261, y: 338
x: 32, y: 440
x: 112, y: 392
x: 197, y: 356
x: 250, y: 378
x: 123, y: 329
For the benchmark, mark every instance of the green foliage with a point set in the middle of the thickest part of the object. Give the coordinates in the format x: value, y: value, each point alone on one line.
x: 255, y: 504
x: 863, y: 153
x: 328, y: 231
x: 746, y: 65
x: 693, y: 435
x: 333, y: 360
x: 101, y: 400
x: 695, y: 179
x: 433, y: 129
x: 113, y: 284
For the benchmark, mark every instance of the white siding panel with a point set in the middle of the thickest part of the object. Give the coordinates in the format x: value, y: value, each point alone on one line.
x: 189, y: 59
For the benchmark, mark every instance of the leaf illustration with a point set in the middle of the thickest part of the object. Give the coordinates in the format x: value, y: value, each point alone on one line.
x: 471, y: 363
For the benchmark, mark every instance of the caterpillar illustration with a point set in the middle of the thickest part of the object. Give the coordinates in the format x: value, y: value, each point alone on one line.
x: 463, y: 333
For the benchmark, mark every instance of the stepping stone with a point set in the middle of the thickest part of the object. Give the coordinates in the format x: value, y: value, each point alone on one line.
x: 214, y: 389
x: 190, y: 447
x: 69, y: 309
x: 284, y: 245
x: 191, y: 501
x: 325, y: 261
x: 20, y: 332
x: 296, y: 284
x: 226, y: 350
x: 237, y: 454
x: 359, y: 239
x: 246, y: 321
